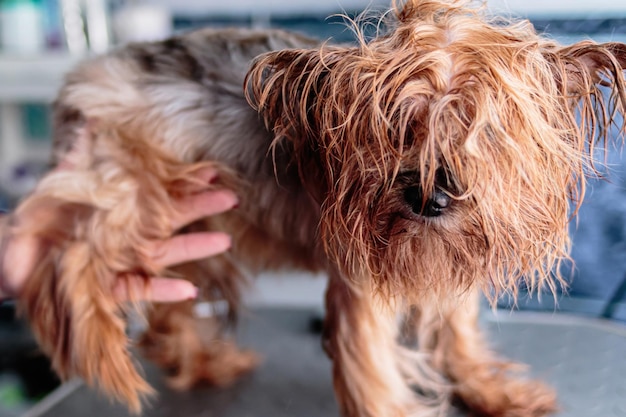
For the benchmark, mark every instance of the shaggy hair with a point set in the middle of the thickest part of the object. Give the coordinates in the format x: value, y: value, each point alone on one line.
x: 418, y: 168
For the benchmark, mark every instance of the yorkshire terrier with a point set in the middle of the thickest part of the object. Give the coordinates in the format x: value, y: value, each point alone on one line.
x: 418, y: 168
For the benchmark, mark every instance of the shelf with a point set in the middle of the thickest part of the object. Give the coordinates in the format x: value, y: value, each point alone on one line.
x: 33, y: 78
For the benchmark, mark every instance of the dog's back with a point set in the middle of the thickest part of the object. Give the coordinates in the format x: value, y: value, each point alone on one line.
x: 187, y: 88
x: 184, y: 96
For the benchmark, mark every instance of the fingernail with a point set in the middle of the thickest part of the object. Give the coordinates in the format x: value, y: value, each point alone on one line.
x: 196, y: 292
x: 214, y: 180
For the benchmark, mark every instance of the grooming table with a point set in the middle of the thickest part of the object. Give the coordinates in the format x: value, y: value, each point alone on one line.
x: 585, y: 359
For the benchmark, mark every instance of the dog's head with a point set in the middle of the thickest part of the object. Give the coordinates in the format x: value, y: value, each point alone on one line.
x: 446, y: 152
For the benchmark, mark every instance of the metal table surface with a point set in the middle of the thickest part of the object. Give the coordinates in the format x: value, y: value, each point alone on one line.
x: 584, y: 359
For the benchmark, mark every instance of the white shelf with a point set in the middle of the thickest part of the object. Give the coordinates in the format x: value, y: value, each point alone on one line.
x: 33, y: 78
x: 24, y: 79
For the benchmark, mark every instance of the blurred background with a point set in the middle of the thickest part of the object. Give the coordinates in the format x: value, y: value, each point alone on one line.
x: 41, y: 39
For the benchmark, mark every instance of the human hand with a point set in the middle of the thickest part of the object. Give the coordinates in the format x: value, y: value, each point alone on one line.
x: 19, y: 254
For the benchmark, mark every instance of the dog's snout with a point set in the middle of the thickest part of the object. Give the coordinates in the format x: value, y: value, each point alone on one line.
x: 433, y: 206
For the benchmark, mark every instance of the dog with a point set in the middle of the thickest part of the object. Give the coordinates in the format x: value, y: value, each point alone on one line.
x: 440, y: 159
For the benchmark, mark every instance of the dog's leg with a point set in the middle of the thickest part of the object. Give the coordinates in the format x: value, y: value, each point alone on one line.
x: 193, y: 350
x: 486, y: 385
x: 360, y: 336
x: 192, y: 345
x: 96, y: 223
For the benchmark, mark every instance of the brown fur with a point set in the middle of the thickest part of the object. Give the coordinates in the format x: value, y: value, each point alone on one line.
x: 361, y: 146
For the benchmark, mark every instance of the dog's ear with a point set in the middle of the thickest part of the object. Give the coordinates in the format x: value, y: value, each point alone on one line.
x: 590, y: 64
x: 283, y: 87
x: 591, y: 80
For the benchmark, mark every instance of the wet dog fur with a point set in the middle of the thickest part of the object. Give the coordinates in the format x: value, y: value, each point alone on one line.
x: 443, y: 158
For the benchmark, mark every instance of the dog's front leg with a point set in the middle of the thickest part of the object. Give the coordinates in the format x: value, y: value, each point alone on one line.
x: 448, y: 331
x: 360, y: 336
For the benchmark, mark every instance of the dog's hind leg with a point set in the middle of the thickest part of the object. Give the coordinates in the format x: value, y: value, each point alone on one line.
x: 96, y: 223
x: 488, y: 386
x: 360, y: 336
x: 192, y: 346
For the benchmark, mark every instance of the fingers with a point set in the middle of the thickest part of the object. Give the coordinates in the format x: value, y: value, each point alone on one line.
x: 23, y: 250
x: 204, y: 204
x: 159, y: 290
x: 19, y: 258
x: 200, y: 180
x: 185, y: 248
x: 178, y: 249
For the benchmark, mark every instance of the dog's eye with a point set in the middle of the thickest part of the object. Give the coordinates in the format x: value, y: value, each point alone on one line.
x: 435, y: 205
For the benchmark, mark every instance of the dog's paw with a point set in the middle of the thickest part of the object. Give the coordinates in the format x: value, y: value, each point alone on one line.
x: 220, y: 368
x: 507, y: 397
x: 192, y: 354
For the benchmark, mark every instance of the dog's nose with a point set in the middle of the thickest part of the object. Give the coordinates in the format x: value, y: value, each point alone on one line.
x: 434, y: 206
